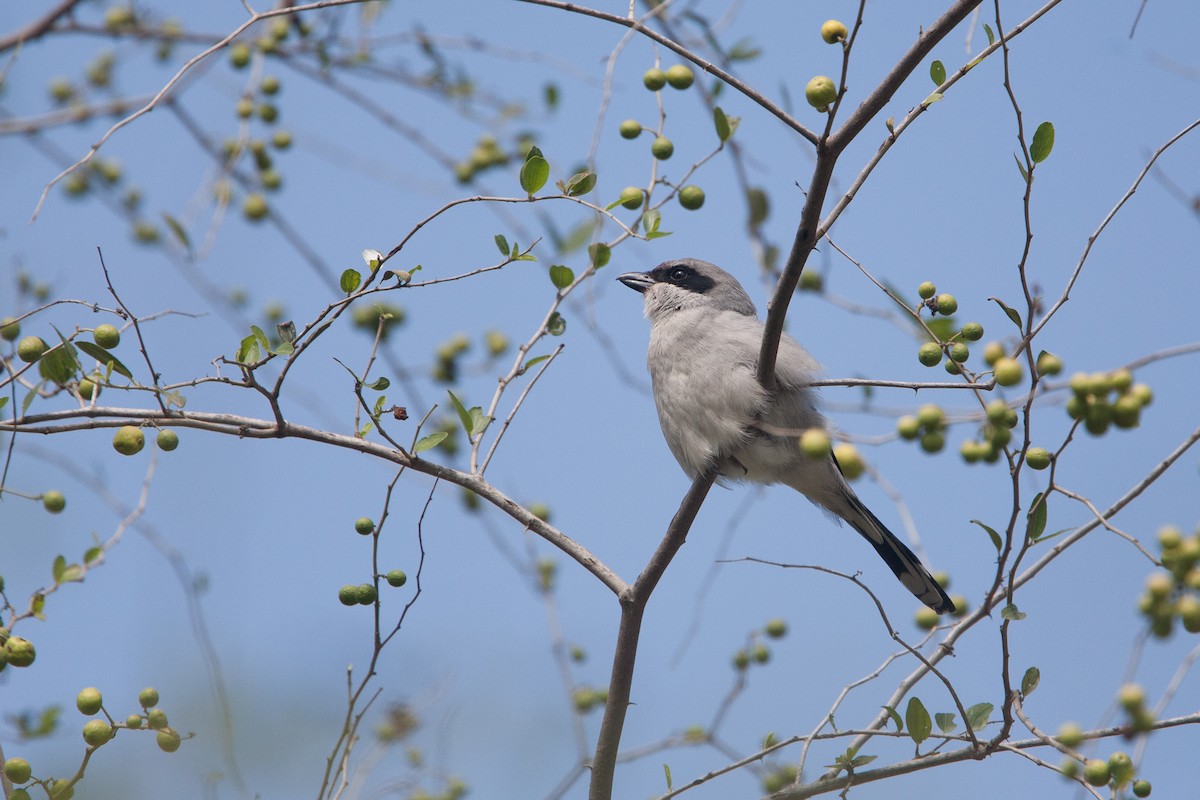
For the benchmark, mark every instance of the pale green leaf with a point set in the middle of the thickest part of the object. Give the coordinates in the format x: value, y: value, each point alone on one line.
x: 534, y: 174
x: 996, y: 540
x: 945, y: 721
x: 1030, y: 681
x: 427, y: 442
x: 561, y: 276
x: 977, y: 715
x: 351, y: 280
x: 918, y: 721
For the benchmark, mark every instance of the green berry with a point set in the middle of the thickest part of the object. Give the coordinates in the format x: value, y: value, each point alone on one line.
x: 815, y: 443
x: 1095, y: 772
x: 17, y: 770
x: 926, y: 290
x: 662, y: 148
x: 156, y: 719
x: 148, y: 697
x: 926, y: 618
x: 820, y: 92
x: 930, y: 354
x: 62, y: 789
x: 129, y: 440
x: 53, y: 501
x: 1070, y: 734
x: 761, y: 653
x: 89, y: 700
x: 632, y: 197
x: 31, y: 349
x: 10, y: 329
x: 933, y: 441
x: 971, y: 450
x: 959, y: 352
x: 1141, y: 788
x: 168, y: 741
x: 239, y: 55
x: 909, y: 427
x: 1007, y: 371
x: 1048, y: 364
x: 775, y: 628
x: 833, y: 31
x: 972, y: 331
x: 630, y: 129
x: 741, y: 660
x: 654, y: 79
x: 19, y: 652
x: 692, y: 197
x: 849, y: 460
x: 1142, y: 393
x: 364, y: 525
x: 134, y: 721
x: 931, y: 416
x: 997, y: 412
x: 167, y: 440
x: 1037, y: 457
x: 348, y: 595
x: 1131, y: 696
x: 396, y: 578
x: 281, y: 139
x: 993, y: 352
x: 365, y: 594
x: 1120, y: 766
x: 680, y: 76
x: 87, y: 389
x: 97, y: 732
x: 946, y: 304
x: 270, y: 85
x: 811, y: 281
x: 255, y: 207
x: 1127, y: 412
x: 107, y: 336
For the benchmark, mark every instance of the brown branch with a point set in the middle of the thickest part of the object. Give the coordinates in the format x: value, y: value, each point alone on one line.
x: 39, y: 26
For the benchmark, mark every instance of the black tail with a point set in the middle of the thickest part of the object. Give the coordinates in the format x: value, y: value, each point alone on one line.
x: 902, y: 561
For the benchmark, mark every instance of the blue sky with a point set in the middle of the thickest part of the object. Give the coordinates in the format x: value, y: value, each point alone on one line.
x: 268, y: 525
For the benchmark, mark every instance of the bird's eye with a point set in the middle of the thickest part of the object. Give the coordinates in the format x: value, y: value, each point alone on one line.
x: 679, y: 273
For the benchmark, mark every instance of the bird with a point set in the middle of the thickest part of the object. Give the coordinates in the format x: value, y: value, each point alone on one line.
x: 705, y: 336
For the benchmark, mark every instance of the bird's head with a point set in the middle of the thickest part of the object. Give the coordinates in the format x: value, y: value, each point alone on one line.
x: 688, y: 283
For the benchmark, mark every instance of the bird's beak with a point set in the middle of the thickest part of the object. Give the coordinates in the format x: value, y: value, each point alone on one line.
x: 638, y: 281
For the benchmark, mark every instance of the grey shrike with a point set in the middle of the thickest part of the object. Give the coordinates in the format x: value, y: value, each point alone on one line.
x: 704, y: 341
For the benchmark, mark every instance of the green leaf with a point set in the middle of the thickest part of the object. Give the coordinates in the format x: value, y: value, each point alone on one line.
x: 283, y: 349
x: 581, y: 183
x: 945, y: 721
x: 1030, y: 681
x: 351, y: 280
x: 1021, y: 168
x: 977, y: 715
x: 1012, y: 613
x: 177, y: 231
x: 991, y: 36
x: 248, y: 352
x: 502, y: 244
x: 934, y: 97
x: 479, y: 421
x: 651, y: 220
x: 91, y: 555
x: 3, y: 401
x: 937, y: 72
x: 600, y: 253
x: 561, y: 276
x: 996, y: 540
x: 461, y: 410
x: 104, y: 357
x: 721, y: 122
x: 895, y: 717
x: 667, y: 772
x: 1011, y: 312
x: 557, y: 325
x: 531, y: 362
x: 379, y: 385
x: 38, y: 605
x: 426, y: 442
x: 534, y: 174
x: 261, y: 337
x: 917, y: 719
x: 59, y: 567
x: 377, y: 409
x: 1043, y: 142
x: 60, y: 363
x: 1037, y: 517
